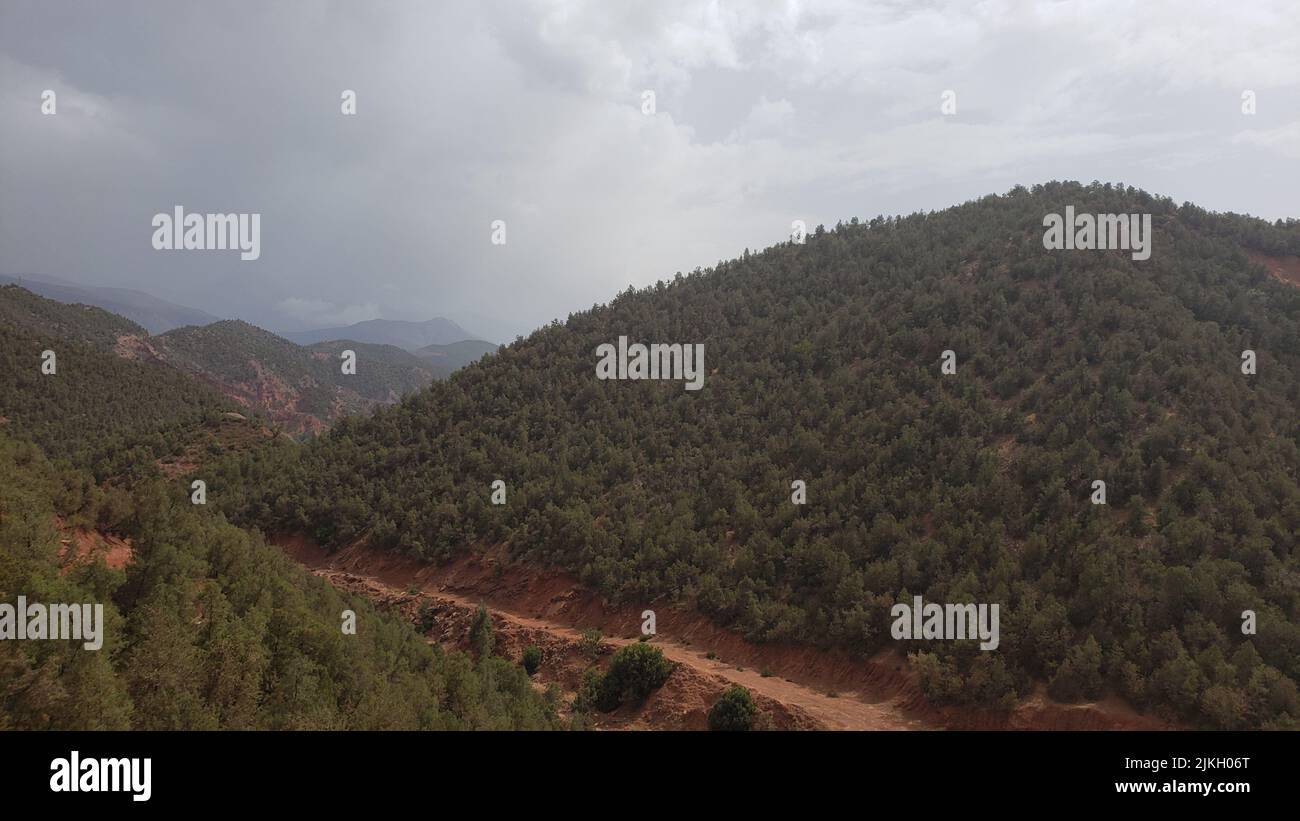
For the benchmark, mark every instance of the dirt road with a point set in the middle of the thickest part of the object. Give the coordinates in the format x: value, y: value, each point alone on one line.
x: 698, y: 680
x: 795, y: 687
x: 836, y: 712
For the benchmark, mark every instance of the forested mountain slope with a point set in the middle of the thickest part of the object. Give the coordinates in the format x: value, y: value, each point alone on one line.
x: 86, y: 324
x: 207, y: 627
x: 400, y: 333
x: 109, y: 415
x: 823, y: 364
x: 156, y: 315
x: 302, y: 389
x: 298, y: 389
x: 385, y: 373
x: 446, y: 359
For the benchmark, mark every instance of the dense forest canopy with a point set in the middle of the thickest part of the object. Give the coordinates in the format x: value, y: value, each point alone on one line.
x: 123, y: 403
x: 208, y: 627
x: 112, y: 416
x: 823, y: 365
x: 231, y: 351
x: 20, y: 308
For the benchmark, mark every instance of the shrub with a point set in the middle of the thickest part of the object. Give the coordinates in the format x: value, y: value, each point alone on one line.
x: 481, y: 639
x: 426, y: 617
x: 734, y: 710
x: 532, y: 659
x: 591, y: 642
x: 590, y: 693
x: 635, y: 671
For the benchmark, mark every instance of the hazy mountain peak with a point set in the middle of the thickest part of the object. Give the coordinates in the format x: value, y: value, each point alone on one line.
x: 401, y: 333
x: 156, y: 315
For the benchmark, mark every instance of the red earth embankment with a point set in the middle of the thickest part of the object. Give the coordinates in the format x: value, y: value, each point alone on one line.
x: 1285, y: 268
x: 79, y: 546
x: 823, y: 689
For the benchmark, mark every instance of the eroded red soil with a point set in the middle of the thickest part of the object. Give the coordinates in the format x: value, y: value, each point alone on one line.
x: 1286, y: 269
x: 79, y: 546
x: 795, y: 686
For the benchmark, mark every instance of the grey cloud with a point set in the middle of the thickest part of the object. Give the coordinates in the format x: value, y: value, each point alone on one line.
x: 530, y: 113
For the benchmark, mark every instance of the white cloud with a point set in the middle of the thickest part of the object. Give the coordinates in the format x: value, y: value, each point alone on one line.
x: 1284, y: 140
x: 530, y: 112
x: 767, y: 119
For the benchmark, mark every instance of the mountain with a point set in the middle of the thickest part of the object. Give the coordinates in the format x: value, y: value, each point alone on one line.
x: 299, y: 389
x: 408, y: 335
x: 384, y: 373
x: 85, y: 324
x: 109, y: 415
x: 489, y: 328
x: 303, y: 389
x: 824, y: 366
x: 205, y: 626
x: 156, y: 315
x: 448, y: 358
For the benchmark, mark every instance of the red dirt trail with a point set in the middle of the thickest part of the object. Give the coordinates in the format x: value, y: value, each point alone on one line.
x: 799, y: 687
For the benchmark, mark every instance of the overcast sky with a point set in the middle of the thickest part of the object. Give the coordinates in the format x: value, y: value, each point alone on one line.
x: 531, y: 113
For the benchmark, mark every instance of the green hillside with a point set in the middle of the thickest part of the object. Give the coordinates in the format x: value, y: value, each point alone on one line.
x: 384, y: 372
x: 274, y: 374
x: 110, y: 415
x: 81, y: 323
x: 443, y: 360
x: 823, y: 364
x: 208, y: 627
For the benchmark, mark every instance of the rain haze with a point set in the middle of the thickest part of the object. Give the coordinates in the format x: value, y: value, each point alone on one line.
x: 536, y: 115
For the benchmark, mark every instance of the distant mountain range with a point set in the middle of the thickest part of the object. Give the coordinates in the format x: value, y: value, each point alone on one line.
x: 301, y: 388
x: 492, y: 329
x: 156, y: 315
x: 409, y: 335
x: 295, y: 379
